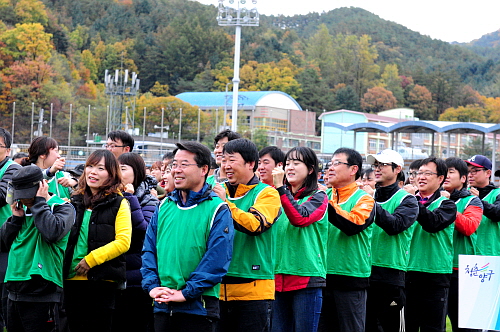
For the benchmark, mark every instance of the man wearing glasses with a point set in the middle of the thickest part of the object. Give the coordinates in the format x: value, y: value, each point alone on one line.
x: 488, y: 232
x: 351, y: 212
x: 431, y: 251
x: 396, y: 213
x: 119, y: 142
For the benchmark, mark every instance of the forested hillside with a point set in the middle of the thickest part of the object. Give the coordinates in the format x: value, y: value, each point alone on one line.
x: 56, y: 51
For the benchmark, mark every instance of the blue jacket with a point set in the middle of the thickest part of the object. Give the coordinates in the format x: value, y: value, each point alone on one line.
x: 209, y: 272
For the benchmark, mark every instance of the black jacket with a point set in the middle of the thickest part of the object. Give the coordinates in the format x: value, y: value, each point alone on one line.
x: 101, y: 232
x: 491, y: 211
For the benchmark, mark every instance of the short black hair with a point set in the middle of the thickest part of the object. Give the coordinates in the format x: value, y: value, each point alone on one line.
x: 231, y: 135
x: 460, y: 166
x: 309, y: 158
x: 416, y: 164
x: 123, y: 136
x: 367, y: 171
x: 20, y: 155
x: 441, y: 167
x: 401, y: 176
x: 353, y: 158
x: 245, y: 148
x: 7, y: 137
x: 201, y: 153
x: 213, y: 163
x: 275, y: 153
x: 135, y: 161
x: 168, y: 155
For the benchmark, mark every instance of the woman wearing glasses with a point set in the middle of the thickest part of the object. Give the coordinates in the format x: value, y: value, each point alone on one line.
x: 44, y: 152
x: 301, y: 243
x: 95, y: 260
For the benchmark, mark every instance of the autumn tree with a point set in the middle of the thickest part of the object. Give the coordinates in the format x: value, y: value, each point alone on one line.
x: 469, y: 113
x: 378, y: 99
x: 31, y: 11
x: 28, y: 40
x: 319, y: 51
x: 420, y: 99
x: 391, y: 80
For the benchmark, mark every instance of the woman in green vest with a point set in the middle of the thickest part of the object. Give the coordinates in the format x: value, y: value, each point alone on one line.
x: 301, y: 243
x: 44, y: 152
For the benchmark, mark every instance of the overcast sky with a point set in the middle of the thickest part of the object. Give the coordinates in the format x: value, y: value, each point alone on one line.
x: 458, y: 20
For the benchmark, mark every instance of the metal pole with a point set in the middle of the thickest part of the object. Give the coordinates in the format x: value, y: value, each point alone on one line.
x: 144, y: 128
x: 88, y: 127
x: 161, y: 139
x: 225, y: 107
x: 305, y: 130
x: 126, y: 118
x: 236, y: 79
x: 180, y: 124
x: 51, y: 110
x: 32, y: 119
x: 216, y: 120
x: 198, y: 135
x: 69, y: 129
x: 40, y: 122
x: 13, y: 120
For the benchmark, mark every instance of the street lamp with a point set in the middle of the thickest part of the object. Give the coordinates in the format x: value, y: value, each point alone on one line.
x: 238, y: 17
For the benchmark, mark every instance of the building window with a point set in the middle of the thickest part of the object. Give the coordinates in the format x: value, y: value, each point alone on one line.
x: 373, y: 144
x: 453, y: 138
x: 271, y: 124
x: 271, y: 140
x: 314, y: 145
x: 294, y: 143
x: 381, y: 145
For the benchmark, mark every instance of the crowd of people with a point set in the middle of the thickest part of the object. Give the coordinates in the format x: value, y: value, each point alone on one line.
x: 246, y: 240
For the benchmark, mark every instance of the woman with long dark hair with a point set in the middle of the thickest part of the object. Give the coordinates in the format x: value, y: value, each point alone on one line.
x: 44, y: 152
x: 95, y: 260
x: 301, y: 243
x: 133, y: 301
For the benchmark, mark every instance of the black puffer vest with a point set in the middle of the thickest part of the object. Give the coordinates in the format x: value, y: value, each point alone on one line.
x: 101, y: 232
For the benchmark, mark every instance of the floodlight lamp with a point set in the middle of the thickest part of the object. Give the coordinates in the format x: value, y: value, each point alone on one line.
x: 243, y: 2
x: 254, y: 2
x: 231, y: 1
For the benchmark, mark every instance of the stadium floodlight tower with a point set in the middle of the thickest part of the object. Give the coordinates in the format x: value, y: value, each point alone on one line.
x: 237, y: 16
x: 122, y: 93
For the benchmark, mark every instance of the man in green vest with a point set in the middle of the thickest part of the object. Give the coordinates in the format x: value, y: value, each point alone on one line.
x: 188, y: 247
x: 248, y: 288
x: 397, y: 211
x: 7, y: 169
x: 469, y: 214
x: 36, y: 236
x: 431, y: 251
x: 351, y: 212
x: 488, y: 232
x: 219, y: 141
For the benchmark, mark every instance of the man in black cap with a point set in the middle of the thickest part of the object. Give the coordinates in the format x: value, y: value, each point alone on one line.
x: 36, y: 236
x: 488, y: 232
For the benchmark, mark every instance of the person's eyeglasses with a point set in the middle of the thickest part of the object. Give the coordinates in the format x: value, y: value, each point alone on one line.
x: 337, y: 162
x: 380, y: 165
x: 182, y: 165
x: 412, y: 174
x: 426, y: 174
x: 112, y: 146
x: 475, y: 170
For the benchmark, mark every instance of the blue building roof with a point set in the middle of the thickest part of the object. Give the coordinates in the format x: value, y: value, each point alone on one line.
x: 246, y: 99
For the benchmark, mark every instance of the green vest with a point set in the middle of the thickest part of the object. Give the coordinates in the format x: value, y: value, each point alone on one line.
x: 432, y: 252
x: 5, y: 211
x: 211, y: 180
x: 56, y: 188
x: 31, y: 255
x: 463, y: 245
x: 81, y: 247
x: 301, y: 250
x: 392, y: 251
x: 253, y: 256
x: 488, y: 232
x: 181, y: 241
x: 349, y: 255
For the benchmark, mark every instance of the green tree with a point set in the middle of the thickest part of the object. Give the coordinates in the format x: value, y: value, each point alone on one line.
x: 28, y: 40
x: 474, y: 146
x: 319, y: 51
x: 31, y: 11
x: 391, y: 81
x: 346, y: 98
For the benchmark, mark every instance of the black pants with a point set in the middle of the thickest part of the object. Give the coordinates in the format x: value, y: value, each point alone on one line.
x: 384, y: 307
x: 343, y: 311
x: 89, y: 305
x: 133, y: 302
x: 3, y: 305
x: 164, y: 322
x: 32, y: 316
x: 245, y: 316
x: 426, y: 307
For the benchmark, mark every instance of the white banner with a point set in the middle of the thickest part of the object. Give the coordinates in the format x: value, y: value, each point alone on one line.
x: 479, y: 292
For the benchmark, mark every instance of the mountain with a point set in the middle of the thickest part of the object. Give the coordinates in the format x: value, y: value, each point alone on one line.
x: 489, y: 40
